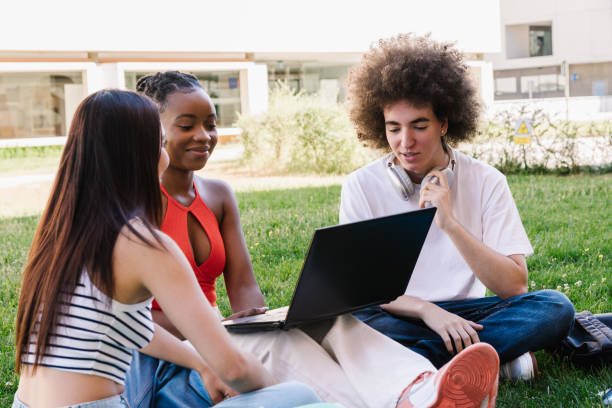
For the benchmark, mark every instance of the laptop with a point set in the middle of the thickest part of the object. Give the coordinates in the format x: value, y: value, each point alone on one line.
x: 349, y: 267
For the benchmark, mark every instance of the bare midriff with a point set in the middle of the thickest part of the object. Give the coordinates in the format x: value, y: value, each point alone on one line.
x: 50, y: 387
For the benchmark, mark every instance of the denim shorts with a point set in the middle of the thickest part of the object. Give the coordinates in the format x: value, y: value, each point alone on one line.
x: 116, y: 401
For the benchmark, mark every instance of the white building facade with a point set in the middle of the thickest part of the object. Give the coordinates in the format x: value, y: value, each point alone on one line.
x: 53, y: 54
x: 555, y: 55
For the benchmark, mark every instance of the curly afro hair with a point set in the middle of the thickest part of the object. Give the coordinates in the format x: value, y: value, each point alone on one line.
x: 417, y: 69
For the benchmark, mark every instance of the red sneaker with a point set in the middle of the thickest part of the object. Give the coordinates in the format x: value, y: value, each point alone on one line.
x: 469, y: 380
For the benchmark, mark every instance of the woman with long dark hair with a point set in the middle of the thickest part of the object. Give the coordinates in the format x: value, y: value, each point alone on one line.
x: 97, y: 259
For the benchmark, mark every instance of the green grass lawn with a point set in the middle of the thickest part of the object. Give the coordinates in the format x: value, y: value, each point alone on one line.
x: 569, y: 221
x: 19, y: 161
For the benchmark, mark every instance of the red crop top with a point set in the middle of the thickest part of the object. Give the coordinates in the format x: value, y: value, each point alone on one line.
x: 175, y: 225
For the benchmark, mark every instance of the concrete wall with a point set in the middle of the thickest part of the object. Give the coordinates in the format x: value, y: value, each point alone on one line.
x: 576, y: 108
x: 581, y: 32
x: 517, y: 41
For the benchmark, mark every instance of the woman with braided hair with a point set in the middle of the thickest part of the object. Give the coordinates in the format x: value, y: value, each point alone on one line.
x: 352, y: 364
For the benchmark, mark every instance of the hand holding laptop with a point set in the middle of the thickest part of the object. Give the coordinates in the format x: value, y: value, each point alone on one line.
x: 247, y: 312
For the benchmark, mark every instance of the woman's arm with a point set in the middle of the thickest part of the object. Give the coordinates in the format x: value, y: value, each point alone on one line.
x: 242, y: 289
x: 165, y: 346
x: 165, y: 273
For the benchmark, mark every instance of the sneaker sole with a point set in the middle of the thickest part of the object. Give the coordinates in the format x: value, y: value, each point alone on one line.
x: 462, y: 386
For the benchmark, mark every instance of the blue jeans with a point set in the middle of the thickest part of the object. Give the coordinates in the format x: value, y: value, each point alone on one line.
x: 151, y: 382
x: 528, y: 322
x: 116, y: 401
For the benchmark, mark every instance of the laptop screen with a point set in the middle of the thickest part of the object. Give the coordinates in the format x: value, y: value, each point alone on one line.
x: 352, y: 266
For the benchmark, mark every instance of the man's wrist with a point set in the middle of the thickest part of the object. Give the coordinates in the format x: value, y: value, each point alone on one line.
x: 418, y: 307
x: 451, y: 226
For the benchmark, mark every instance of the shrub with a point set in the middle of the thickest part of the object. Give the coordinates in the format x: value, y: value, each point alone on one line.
x: 30, y: 151
x: 556, y: 146
x: 301, y: 133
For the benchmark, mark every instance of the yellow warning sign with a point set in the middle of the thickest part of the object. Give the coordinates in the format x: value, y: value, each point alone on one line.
x: 522, y: 130
x: 522, y: 139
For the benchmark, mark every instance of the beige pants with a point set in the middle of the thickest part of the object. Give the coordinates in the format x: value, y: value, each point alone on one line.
x: 354, y: 365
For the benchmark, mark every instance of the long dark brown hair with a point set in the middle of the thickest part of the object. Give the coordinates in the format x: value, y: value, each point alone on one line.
x: 106, y: 177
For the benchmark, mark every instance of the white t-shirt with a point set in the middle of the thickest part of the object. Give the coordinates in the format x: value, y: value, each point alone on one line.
x: 481, y: 202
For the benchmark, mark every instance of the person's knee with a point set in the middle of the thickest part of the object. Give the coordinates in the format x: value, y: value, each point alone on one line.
x: 561, y: 304
x: 561, y: 309
x: 566, y: 310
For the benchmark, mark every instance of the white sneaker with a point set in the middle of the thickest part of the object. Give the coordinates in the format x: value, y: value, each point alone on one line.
x: 524, y: 367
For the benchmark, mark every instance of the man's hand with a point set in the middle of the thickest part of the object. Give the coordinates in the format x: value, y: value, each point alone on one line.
x: 248, y: 312
x: 451, y: 328
x: 438, y: 195
x: 217, y: 389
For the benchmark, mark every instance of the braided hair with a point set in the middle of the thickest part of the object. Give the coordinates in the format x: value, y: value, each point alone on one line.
x: 161, y: 84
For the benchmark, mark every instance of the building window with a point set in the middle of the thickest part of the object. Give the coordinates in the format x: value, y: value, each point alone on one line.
x: 38, y: 104
x: 593, y: 79
x: 528, y: 83
x: 505, y: 86
x: 328, y: 79
x: 223, y: 87
x: 540, y: 40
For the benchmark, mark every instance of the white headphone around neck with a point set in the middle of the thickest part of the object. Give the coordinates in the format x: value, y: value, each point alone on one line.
x: 405, y: 186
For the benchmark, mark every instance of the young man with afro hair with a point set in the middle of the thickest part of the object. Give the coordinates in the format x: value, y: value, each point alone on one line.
x: 413, y: 97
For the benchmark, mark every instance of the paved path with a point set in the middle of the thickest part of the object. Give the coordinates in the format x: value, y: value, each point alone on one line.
x: 224, y: 153
x: 6, y: 182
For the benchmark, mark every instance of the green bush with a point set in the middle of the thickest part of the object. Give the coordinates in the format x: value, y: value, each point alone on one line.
x: 557, y: 146
x: 301, y: 133
x: 30, y: 151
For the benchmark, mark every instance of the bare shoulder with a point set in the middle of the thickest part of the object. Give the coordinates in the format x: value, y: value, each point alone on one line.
x: 138, y: 246
x: 143, y: 256
x: 217, y: 195
x: 213, y: 186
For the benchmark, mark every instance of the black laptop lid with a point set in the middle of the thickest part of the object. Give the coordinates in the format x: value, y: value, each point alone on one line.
x: 355, y: 265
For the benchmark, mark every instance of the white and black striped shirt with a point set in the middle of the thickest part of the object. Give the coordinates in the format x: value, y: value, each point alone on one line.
x: 95, y: 334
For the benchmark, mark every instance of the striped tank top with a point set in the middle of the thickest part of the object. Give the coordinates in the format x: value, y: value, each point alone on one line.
x: 95, y: 334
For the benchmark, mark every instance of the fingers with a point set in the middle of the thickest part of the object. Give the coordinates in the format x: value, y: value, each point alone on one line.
x: 440, y: 176
x: 216, y: 396
x: 427, y: 199
x: 248, y: 312
x: 221, y: 393
x: 428, y: 196
x: 457, y: 340
x: 476, y: 325
x: 447, y: 342
x: 431, y: 193
x: 422, y: 201
x: 471, y: 331
x: 253, y: 311
x: 468, y: 336
x: 460, y: 336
